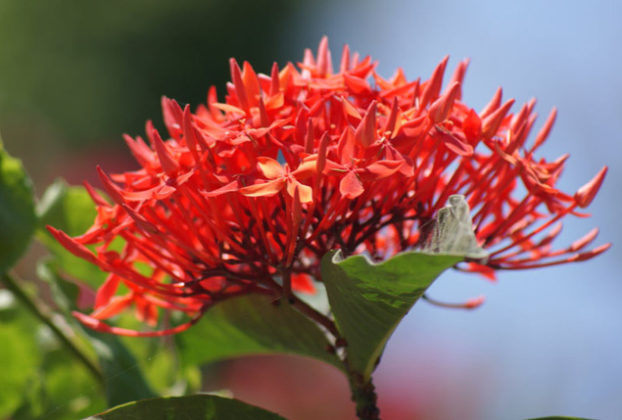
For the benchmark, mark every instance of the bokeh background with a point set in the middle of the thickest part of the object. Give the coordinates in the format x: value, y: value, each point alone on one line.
x: 74, y: 75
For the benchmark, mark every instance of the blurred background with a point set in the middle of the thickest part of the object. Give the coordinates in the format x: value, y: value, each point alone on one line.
x: 75, y: 75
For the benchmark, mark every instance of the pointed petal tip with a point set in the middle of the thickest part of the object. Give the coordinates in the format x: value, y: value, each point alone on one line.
x: 492, y: 122
x: 52, y: 230
x: 584, y: 241
x: 365, y: 133
x: 584, y: 256
x: 585, y: 194
x: 475, y: 302
x: 441, y: 107
x: 169, y: 165
x: 109, y: 186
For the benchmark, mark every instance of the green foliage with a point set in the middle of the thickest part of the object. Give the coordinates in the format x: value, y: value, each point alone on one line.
x: 66, y: 207
x: 71, y: 210
x: 64, y: 389
x: 123, y: 380
x: 19, y: 354
x: 208, y: 407
x: 17, y: 215
x: 368, y: 300
x: 253, y: 325
x: 95, y: 71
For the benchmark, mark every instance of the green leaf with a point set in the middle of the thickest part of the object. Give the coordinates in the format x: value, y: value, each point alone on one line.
x: 71, y: 210
x: 368, y: 300
x: 66, y: 207
x: 19, y: 356
x: 158, y: 360
x: 17, y: 214
x: 253, y: 325
x: 207, y: 407
x: 123, y: 378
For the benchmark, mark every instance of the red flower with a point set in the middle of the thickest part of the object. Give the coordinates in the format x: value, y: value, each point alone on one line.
x: 247, y: 195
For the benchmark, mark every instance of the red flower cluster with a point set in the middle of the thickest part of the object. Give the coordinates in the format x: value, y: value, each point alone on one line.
x: 247, y: 195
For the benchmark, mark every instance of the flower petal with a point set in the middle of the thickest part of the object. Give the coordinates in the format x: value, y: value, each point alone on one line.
x: 350, y: 186
x: 263, y: 189
x: 271, y: 168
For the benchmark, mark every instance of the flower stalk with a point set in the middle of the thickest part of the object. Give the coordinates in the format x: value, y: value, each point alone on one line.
x: 364, y: 396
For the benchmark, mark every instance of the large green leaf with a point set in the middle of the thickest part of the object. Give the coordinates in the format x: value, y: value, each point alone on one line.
x: 17, y: 214
x: 71, y: 210
x: 368, y: 300
x: 206, y: 407
x: 253, y: 325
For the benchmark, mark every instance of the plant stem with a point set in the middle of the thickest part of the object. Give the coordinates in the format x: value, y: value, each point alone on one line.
x: 42, y: 314
x: 316, y: 316
x: 363, y: 392
x: 363, y: 395
x: 305, y: 308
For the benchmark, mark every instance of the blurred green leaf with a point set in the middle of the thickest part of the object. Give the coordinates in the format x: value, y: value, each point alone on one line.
x: 65, y: 390
x: 123, y: 378
x: 208, y: 407
x: 158, y: 360
x: 17, y: 214
x: 71, y: 210
x: 253, y: 325
x: 368, y: 300
x: 19, y: 356
x: 64, y: 293
x: 66, y: 207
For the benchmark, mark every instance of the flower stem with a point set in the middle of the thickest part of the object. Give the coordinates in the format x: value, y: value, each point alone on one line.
x: 42, y: 314
x: 364, y: 396
x: 304, y: 308
x: 316, y: 316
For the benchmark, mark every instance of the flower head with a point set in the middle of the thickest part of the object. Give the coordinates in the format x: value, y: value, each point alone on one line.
x: 246, y: 195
